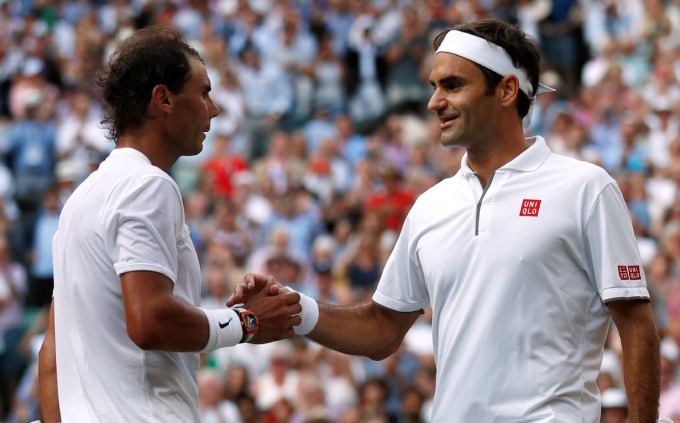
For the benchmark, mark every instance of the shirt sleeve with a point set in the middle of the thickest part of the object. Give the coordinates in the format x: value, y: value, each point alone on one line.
x: 144, y: 221
x: 402, y: 285
x: 612, y: 257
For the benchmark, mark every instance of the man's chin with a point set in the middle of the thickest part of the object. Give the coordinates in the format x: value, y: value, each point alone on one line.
x: 195, y: 151
x: 448, y: 141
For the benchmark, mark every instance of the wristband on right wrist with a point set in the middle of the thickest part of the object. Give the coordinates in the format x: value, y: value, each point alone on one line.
x: 309, y: 315
x: 224, y: 328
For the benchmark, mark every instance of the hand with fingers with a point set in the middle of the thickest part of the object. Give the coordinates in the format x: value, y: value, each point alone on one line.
x: 254, y: 284
x: 277, y: 308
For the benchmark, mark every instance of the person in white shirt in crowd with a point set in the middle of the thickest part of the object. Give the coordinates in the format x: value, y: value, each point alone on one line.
x: 212, y: 408
x: 80, y: 139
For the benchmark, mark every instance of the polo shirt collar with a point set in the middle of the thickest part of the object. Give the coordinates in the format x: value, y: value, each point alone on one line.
x: 129, y: 152
x: 530, y: 159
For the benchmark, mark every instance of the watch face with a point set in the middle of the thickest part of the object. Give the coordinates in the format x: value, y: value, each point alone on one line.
x: 251, y: 321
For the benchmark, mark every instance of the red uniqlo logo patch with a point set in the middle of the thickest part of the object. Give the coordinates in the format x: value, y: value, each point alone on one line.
x: 530, y: 207
x: 629, y: 273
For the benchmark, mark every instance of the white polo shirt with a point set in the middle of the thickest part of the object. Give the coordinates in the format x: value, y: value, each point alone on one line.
x: 518, y: 277
x: 126, y: 216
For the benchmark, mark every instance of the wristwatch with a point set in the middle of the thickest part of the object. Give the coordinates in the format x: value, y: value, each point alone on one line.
x: 249, y: 324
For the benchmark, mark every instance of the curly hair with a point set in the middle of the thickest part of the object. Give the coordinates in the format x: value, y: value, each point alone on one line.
x: 151, y: 56
x: 523, y: 51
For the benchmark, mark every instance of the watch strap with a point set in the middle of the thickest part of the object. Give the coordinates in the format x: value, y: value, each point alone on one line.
x: 249, y: 324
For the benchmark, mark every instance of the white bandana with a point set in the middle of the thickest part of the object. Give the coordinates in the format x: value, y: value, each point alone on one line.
x: 491, y: 56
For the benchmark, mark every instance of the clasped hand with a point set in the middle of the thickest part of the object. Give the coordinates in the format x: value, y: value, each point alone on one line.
x: 277, y: 308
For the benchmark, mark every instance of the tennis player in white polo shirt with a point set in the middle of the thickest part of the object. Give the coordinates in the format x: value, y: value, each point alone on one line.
x: 524, y: 255
x: 125, y: 329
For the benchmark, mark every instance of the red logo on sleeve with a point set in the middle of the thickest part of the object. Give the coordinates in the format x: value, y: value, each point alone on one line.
x: 623, y: 273
x: 530, y: 207
x: 630, y: 273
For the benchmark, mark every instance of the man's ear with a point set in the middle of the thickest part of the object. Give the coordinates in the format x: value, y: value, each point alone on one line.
x: 509, y: 89
x: 161, y: 98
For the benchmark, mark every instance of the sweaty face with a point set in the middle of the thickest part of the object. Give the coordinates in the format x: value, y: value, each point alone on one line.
x: 193, y: 108
x: 465, y: 112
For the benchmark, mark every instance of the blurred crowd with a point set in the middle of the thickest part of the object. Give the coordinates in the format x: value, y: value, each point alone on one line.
x: 323, y: 144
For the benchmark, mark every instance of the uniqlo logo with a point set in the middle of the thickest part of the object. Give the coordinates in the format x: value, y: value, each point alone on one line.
x: 630, y: 273
x: 530, y: 207
x: 623, y: 273
x: 634, y: 273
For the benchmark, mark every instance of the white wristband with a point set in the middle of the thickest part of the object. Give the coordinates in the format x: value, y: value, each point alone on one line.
x: 309, y: 315
x: 224, y: 327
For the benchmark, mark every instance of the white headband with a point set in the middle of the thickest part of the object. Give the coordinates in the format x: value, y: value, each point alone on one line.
x: 489, y: 55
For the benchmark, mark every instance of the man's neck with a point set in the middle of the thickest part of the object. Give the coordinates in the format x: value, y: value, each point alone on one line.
x: 484, y: 164
x: 150, y: 146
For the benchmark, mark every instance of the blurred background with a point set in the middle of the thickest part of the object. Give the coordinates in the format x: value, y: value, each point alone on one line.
x: 323, y: 144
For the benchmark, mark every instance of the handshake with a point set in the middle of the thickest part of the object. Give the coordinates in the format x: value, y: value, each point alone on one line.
x: 267, y: 311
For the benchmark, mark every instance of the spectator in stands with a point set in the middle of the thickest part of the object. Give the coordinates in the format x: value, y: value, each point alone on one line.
x: 212, y: 407
x: 13, y: 290
x: 669, y: 403
x: 293, y: 48
x: 42, y: 270
x: 262, y: 79
x: 393, y: 201
x: 295, y: 211
x: 329, y: 76
x: 33, y: 141
x: 614, y: 406
x: 279, y: 166
x: 367, y: 73
x: 279, y: 381
x: 222, y: 166
x: 404, y: 88
x: 229, y: 97
x: 80, y: 140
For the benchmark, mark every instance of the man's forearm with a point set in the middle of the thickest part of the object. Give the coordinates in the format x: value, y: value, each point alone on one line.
x: 641, y: 376
x: 47, y: 375
x: 367, y: 329
x: 641, y: 365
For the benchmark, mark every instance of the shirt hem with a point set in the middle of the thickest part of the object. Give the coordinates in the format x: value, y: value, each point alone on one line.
x: 632, y: 293
x: 145, y: 266
x: 396, y: 305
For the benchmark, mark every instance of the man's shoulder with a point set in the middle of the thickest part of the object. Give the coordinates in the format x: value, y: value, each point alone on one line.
x: 123, y: 178
x: 577, y: 169
x: 131, y: 167
x: 434, y: 197
x: 444, y: 185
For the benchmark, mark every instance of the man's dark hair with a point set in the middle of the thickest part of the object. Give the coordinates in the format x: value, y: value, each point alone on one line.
x: 522, y: 49
x: 151, y: 56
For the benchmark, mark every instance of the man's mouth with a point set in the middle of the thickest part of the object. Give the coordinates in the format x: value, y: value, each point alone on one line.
x: 446, y: 121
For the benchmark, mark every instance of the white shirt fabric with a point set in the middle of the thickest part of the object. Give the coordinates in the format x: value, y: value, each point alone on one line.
x: 93, y: 143
x: 127, y: 216
x: 224, y: 412
x: 268, y: 391
x: 518, y: 300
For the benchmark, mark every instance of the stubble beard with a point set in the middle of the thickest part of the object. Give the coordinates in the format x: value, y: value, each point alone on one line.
x: 450, y: 139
